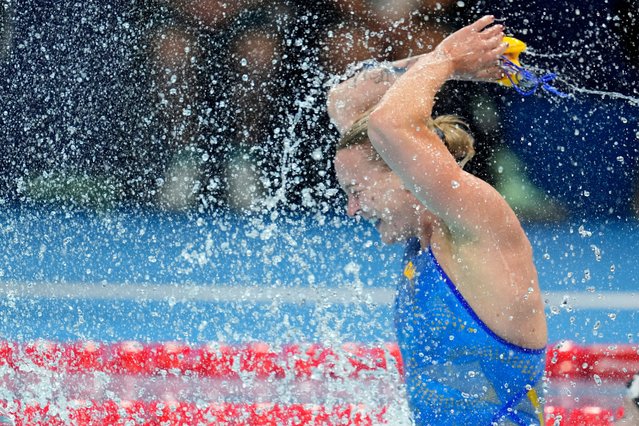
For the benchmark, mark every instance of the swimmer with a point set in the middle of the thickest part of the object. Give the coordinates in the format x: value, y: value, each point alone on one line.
x: 469, y: 314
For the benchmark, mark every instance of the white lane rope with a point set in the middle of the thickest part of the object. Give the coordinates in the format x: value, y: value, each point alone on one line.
x: 256, y: 294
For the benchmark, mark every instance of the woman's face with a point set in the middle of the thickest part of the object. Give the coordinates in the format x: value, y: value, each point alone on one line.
x: 377, y: 194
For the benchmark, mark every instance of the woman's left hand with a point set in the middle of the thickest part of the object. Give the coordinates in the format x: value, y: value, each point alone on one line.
x: 475, y: 50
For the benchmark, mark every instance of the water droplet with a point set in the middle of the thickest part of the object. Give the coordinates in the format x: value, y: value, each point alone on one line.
x: 612, y: 316
x: 597, y: 379
x: 454, y: 184
x: 243, y: 62
x: 317, y: 154
x: 352, y: 268
x: 244, y: 77
x: 583, y: 231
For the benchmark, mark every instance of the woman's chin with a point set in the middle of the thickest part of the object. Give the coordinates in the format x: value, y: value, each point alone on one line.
x: 395, y: 234
x: 391, y: 237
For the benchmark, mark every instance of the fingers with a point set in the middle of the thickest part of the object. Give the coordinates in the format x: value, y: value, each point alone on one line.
x: 482, y: 23
x: 494, y: 71
x: 494, y: 44
x: 500, y: 49
x: 494, y: 41
x: 494, y: 31
x: 491, y: 72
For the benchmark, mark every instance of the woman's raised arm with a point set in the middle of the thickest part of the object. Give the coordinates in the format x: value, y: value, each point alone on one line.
x: 398, y: 132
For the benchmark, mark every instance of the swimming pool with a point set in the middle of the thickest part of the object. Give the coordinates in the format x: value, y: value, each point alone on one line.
x: 72, y: 277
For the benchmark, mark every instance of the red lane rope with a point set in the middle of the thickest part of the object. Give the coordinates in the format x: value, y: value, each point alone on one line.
x: 584, y: 416
x: 565, y: 361
x: 610, y: 362
x: 212, y: 360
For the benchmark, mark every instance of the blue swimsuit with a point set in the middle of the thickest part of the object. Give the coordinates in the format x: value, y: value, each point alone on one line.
x: 458, y: 371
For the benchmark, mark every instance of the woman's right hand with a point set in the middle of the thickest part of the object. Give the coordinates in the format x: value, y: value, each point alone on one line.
x: 475, y: 50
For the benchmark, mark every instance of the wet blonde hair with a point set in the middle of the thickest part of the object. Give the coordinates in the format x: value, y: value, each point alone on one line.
x: 452, y: 130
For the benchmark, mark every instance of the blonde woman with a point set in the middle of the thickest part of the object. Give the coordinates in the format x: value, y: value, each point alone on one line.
x: 469, y: 314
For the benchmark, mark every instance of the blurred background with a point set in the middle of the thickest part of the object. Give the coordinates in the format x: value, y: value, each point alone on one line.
x: 156, y: 142
x: 205, y: 104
